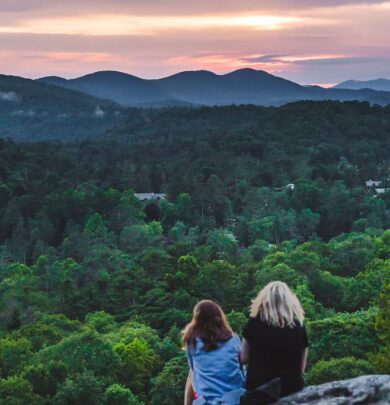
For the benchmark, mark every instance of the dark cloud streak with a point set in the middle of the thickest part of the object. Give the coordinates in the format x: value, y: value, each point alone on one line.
x: 265, y: 59
x: 342, y: 61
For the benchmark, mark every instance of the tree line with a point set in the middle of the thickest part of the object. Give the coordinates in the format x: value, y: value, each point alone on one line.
x: 96, y: 285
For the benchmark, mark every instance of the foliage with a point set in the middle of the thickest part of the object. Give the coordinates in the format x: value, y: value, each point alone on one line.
x: 343, y: 335
x: 17, y: 391
x: 116, y: 394
x: 338, y: 369
x: 101, y: 321
x: 84, y: 388
x: 40, y: 111
x: 95, y: 285
x: 381, y: 359
x: 167, y: 387
x: 138, y: 362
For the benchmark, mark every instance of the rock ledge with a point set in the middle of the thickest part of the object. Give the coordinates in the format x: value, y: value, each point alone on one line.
x: 364, y: 390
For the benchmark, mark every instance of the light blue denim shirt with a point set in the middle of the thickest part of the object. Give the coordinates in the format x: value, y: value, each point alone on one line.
x: 216, y: 372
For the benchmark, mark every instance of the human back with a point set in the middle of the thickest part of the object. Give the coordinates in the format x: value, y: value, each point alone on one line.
x: 213, y: 355
x: 275, y: 340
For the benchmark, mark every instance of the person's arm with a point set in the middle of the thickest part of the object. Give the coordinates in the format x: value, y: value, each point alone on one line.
x: 189, y: 391
x: 304, y: 359
x: 244, y: 355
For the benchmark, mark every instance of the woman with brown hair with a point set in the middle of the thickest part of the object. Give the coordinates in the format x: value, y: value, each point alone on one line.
x: 213, y: 352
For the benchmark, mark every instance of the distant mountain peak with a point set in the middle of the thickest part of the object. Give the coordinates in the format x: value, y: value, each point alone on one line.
x: 249, y: 71
x: 194, y: 73
x: 43, y: 109
x: 54, y: 80
x: 52, y: 77
x: 203, y: 87
x: 108, y: 75
x: 380, y: 84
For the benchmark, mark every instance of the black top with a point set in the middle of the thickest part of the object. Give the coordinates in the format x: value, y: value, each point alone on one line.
x: 275, y: 352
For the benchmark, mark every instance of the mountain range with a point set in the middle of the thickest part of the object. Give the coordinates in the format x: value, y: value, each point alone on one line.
x: 57, y: 108
x: 377, y: 84
x: 244, y: 86
x: 31, y: 110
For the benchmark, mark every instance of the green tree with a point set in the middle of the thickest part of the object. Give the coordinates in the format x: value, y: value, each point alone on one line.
x: 17, y: 391
x: 136, y: 238
x: 14, y: 354
x: 138, y: 362
x: 307, y: 223
x: 45, y: 377
x: 237, y: 320
x: 343, y: 335
x: 381, y: 359
x: 117, y: 394
x: 223, y: 243
x: 338, y: 369
x: 216, y: 280
x: 83, y: 388
x: 80, y: 351
x: 168, y: 386
x: 281, y: 272
x: 95, y: 227
x: 101, y: 321
x: 350, y: 253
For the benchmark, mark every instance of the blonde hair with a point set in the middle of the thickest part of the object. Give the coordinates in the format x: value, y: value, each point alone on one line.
x: 277, y: 305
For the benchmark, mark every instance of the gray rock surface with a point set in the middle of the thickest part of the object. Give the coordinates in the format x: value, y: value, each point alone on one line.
x: 364, y: 390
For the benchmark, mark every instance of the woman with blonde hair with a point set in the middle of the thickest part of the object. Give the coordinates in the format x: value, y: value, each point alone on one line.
x: 213, y: 352
x: 275, y: 341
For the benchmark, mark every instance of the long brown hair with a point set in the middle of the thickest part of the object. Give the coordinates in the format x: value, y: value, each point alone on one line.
x: 208, y: 323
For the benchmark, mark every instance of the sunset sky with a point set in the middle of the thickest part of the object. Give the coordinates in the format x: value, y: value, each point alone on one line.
x: 308, y: 41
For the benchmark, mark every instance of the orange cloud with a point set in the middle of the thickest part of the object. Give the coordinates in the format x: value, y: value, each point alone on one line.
x: 304, y: 40
x: 113, y: 25
x: 91, y: 57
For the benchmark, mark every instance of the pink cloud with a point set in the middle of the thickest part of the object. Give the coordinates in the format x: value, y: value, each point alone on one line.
x: 302, y: 40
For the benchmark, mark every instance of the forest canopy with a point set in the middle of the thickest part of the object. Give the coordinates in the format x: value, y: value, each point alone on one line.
x: 95, y: 285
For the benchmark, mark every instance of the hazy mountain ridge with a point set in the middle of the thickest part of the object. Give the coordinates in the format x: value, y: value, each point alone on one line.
x: 57, y: 108
x: 376, y: 84
x: 33, y: 110
x: 243, y: 86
